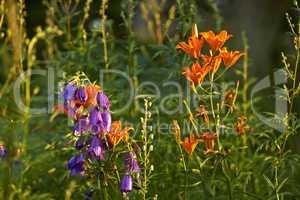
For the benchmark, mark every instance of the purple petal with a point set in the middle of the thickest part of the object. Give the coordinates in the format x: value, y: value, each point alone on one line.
x: 97, y: 149
x: 95, y: 141
x: 135, y: 166
x: 82, y: 94
x: 131, y: 163
x: 72, y: 162
x: 81, y: 126
x: 95, y: 116
x: 126, y: 184
x: 106, y: 121
x: 69, y: 91
x: 99, y: 153
x: 103, y: 101
x: 96, y: 128
x: 76, y: 165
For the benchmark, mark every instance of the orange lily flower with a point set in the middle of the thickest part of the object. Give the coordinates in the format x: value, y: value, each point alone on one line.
x: 209, y: 140
x: 216, y: 41
x: 230, y: 57
x: 189, y: 144
x: 196, y: 74
x: 92, y: 91
x: 117, y: 134
x: 194, y: 45
x: 212, y: 62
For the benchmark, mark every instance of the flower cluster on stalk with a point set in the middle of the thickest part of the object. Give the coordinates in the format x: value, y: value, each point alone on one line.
x: 95, y: 134
x: 206, y: 63
x: 210, y: 61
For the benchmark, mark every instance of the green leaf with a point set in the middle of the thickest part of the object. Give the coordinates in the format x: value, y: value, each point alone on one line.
x: 282, y: 184
x: 269, y: 182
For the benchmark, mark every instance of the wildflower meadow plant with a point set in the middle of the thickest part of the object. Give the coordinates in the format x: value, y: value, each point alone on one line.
x: 97, y: 139
x: 206, y: 64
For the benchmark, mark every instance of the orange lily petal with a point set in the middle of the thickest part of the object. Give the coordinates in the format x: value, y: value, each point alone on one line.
x: 92, y: 91
x: 194, y: 45
x: 116, y: 135
x: 216, y: 41
x: 229, y: 57
x: 196, y: 73
x: 189, y: 144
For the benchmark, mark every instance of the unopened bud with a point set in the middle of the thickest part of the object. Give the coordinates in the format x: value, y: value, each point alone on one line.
x: 151, y: 148
x: 151, y: 136
x: 151, y: 168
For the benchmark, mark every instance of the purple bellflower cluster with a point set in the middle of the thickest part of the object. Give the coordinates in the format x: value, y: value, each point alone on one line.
x: 89, y: 108
x: 94, y: 133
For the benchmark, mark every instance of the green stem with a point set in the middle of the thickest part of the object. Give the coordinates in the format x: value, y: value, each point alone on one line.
x: 245, y: 73
x: 276, y: 183
x: 295, y: 80
x: 145, y: 150
x: 228, y: 181
x: 104, y: 39
x: 211, y: 96
x: 191, y: 118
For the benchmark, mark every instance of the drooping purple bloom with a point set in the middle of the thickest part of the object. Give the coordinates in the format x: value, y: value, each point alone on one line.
x: 97, y: 149
x: 3, y: 151
x: 95, y: 120
x: 76, y: 165
x: 103, y: 101
x: 106, y: 121
x: 81, y: 126
x: 82, y: 94
x: 131, y: 164
x: 126, y: 184
x: 69, y: 91
x: 95, y: 116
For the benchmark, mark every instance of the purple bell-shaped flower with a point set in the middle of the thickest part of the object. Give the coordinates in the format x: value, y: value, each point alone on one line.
x: 106, y: 121
x: 76, y: 165
x: 81, y: 126
x: 82, y: 94
x: 97, y: 149
x: 126, y: 184
x: 95, y: 120
x: 69, y: 91
x: 103, y: 101
x: 131, y: 163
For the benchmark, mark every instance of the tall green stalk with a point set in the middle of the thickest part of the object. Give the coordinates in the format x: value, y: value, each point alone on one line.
x: 104, y: 7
